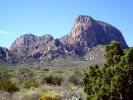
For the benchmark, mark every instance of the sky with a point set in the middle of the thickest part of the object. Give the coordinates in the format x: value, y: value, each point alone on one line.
x: 56, y: 17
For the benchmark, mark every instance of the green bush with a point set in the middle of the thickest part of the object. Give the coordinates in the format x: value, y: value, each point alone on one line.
x: 5, y: 81
x: 24, y: 74
x: 30, y: 83
x: 114, y: 80
x: 7, y: 85
x: 46, y: 69
x: 53, y: 80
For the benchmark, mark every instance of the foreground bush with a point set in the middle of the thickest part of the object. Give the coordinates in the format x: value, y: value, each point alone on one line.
x: 114, y: 80
x: 7, y: 85
x: 49, y: 96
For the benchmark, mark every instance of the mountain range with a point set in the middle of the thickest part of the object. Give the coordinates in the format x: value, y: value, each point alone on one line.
x: 83, y: 45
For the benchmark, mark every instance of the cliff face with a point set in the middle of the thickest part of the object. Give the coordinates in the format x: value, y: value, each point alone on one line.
x: 87, y: 33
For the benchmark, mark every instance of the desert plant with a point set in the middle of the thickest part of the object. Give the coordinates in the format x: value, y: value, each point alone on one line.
x: 114, y: 80
x: 7, y: 85
x: 30, y: 83
x: 24, y: 74
x: 49, y: 96
x: 76, y: 78
x: 53, y: 80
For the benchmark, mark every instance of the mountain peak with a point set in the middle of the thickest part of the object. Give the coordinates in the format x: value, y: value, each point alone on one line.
x: 27, y: 34
x: 84, y: 19
x: 23, y: 41
x: 28, y: 39
x: 46, y: 38
x: 88, y: 32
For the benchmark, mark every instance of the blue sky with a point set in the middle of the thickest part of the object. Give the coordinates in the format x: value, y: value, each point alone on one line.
x: 56, y: 17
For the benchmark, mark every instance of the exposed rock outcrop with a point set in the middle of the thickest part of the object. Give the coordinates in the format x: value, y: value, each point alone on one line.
x: 5, y: 55
x: 23, y: 41
x: 64, y: 39
x: 45, y: 38
x: 87, y: 33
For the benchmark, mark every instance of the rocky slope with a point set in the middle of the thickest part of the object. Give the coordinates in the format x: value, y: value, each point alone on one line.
x: 84, y: 43
x: 5, y: 56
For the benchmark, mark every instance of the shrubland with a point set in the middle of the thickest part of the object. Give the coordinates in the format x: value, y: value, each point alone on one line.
x: 34, y: 83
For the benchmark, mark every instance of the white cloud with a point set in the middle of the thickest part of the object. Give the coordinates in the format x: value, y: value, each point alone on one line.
x: 3, y: 32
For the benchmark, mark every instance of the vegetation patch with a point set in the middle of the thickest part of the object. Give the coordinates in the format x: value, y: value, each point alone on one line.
x: 114, y: 80
x: 49, y: 96
x: 31, y: 83
x: 53, y: 80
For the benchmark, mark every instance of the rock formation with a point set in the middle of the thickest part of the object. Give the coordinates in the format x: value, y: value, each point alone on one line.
x: 23, y: 41
x: 5, y: 55
x: 87, y: 33
x: 85, y: 42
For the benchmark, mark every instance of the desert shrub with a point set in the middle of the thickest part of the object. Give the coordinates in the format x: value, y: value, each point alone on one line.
x: 30, y: 83
x: 24, y: 74
x: 7, y: 85
x: 57, y: 80
x: 49, y: 96
x: 76, y: 78
x: 5, y: 81
x: 53, y: 80
x: 114, y: 80
x: 46, y: 69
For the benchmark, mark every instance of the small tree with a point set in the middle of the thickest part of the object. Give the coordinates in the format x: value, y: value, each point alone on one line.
x: 114, y: 80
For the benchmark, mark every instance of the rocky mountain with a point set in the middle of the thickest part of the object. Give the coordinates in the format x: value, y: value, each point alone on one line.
x: 29, y: 39
x: 84, y: 44
x: 87, y: 33
x: 23, y: 41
